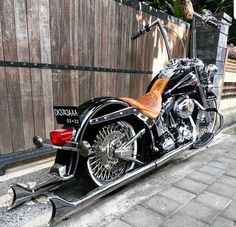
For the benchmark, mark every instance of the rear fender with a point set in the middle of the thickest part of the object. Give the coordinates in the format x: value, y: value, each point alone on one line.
x: 97, y: 112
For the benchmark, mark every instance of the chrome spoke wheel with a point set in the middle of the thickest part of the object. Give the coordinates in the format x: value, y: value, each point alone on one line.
x: 201, y: 122
x: 104, y: 165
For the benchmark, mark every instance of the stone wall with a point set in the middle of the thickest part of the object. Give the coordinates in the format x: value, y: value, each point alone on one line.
x: 212, y: 47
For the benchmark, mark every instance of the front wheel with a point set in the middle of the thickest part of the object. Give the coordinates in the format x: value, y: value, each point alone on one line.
x: 104, y: 165
x: 202, y: 123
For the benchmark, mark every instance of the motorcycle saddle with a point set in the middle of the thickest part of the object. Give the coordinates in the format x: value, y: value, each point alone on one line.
x: 150, y: 103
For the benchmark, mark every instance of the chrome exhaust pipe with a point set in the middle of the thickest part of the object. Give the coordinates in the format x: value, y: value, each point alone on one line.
x: 23, y: 194
x: 63, y: 208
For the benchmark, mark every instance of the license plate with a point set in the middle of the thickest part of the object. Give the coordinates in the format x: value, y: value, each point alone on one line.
x: 67, y: 115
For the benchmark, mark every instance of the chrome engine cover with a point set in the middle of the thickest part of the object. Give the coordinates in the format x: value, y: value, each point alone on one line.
x: 184, y: 133
x: 184, y: 107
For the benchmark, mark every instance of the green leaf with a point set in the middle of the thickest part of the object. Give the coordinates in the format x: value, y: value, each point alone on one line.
x: 177, y: 8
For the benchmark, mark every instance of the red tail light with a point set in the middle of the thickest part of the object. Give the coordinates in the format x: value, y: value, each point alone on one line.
x: 60, y: 136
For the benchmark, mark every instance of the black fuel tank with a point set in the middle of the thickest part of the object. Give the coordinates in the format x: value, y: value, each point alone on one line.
x: 181, y: 82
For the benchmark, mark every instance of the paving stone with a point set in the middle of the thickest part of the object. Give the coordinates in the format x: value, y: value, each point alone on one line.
x: 220, y: 165
x: 182, y: 220
x: 213, y: 200
x: 201, y: 177
x: 140, y: 216
x: 162, y: 204
x: 224, y: 190
x: 225, y: 160
x: 227, y: 180
x: 222, y: 222
x: 177, y: 194
x: 230, y: 211
x: 211, y: 170
x: 230, y: 155
x: 117, y: 223
x: 231, y: 172
x: 200, y: 211
x: 190, y: 185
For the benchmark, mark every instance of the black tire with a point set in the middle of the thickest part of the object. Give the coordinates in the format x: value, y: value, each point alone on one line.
x: 85, y: 164
x: 203, y: 127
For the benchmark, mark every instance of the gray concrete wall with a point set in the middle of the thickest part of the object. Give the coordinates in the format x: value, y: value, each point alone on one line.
x: 212, y: 47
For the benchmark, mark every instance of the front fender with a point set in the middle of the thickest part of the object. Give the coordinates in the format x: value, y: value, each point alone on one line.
x: 211, y: 95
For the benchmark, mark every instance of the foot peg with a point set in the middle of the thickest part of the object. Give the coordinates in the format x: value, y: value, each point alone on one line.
x: 203, y: 140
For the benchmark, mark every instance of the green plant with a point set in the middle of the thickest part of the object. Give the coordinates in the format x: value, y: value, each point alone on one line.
x: 173, y: 7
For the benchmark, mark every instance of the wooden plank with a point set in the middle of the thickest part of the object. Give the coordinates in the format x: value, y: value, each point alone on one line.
x: 124, y: 79
x: 85, y: 47
x: 75, y: 49
x: 120, y: 47
x: 104, y: 77
x: 55, y: 38
x: 65, y: 51
x: 12, y: 74
x: 153, y: 50
x: 133, y: 81
x: 24, y: 74
x: 90, y: 53
x: 112, y: 47
x: 5, y: 127
x: 90, y: 36
x: 73, y: 59
x: 35, y: 56
x: 44, y: 28
x: 97, y: 48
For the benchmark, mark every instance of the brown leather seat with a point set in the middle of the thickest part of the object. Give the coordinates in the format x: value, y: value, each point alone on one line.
x: 150, y: 103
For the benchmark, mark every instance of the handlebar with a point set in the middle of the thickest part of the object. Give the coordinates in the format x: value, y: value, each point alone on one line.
x: 208, y: 18
x: 144, y: 29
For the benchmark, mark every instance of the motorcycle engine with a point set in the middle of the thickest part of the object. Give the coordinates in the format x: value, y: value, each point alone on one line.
x: 184, y: 133
x: 184, y: 107
x: 178, y: 130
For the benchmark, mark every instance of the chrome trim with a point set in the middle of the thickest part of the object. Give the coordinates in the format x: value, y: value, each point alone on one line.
x: 62, y: 208
x: 114, y: 115
x: 67, y: 147
x: 139, y: 134
x: 199, y: 105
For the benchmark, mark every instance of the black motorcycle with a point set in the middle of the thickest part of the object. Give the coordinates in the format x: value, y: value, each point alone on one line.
x: 112, y: 141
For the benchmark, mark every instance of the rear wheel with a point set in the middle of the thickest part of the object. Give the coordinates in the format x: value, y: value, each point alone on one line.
x: 104, y: 165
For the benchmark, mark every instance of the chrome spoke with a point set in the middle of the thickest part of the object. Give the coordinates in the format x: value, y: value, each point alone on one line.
x: 104, y: 166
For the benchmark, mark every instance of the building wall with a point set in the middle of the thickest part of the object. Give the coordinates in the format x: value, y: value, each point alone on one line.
x: 228, y: 97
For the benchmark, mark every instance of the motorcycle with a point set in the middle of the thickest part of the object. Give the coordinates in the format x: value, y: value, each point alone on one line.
x: 113, y: 141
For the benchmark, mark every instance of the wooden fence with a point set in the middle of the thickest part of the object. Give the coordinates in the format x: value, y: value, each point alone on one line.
x: 76, y: 32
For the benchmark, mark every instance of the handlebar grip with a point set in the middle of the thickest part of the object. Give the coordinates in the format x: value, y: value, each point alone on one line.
x: 143, y: 31
x: 213, y: 23
x: 135, y: 36
x: 208, y: 18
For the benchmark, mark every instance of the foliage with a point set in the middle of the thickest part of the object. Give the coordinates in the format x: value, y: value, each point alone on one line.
x: 172, y: 7
x: 217, y: 6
